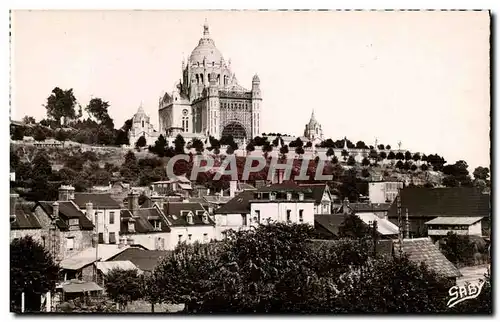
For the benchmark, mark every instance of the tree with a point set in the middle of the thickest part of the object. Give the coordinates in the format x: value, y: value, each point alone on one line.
x: 400, y: 156
x: 179, y: 144
x: 130, y: 167
x: 458, y: 249
x: 299, y: 150
x: 123, y: 286
x: 335, y: 160
x: 373, y: 155
x: 98, y: 109
x: 229, y: 150
x: 345, y: 154
x: 391, y: 156
x: 39, y: 134
x: 61, y: 135
x: 32, y: 271
x: 141, y: 142
x: 159, y: 147
x: 61, y: 103
x: 259, y: 141
x: 105, y: 136
x: 383, y: 155
x: 380, y: 147
x: 308, y: 144
x: 250, y: 147
x: 198, y: 145
x: 413, y: 167
x: 121, y: 138
x: 387, y: 147
x: 29, y: 120
x: 353, y: 227
x: 18, y: 133
x: 330, y: 152
x: 424, y: 167
x: 297, y: 143
x: 361, y: 145
x: 351, y: 161
x: 284, y: 150
x: 400, y: 165
x: 408, y: 155
x: 416, y: 157
x: 267, y: 147
x: 365, y: 162
x: 481, y: 173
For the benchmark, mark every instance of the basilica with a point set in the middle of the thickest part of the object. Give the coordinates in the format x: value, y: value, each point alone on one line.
x: 208, y: 100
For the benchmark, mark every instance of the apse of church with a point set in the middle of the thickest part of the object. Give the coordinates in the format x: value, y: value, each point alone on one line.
x: 209, y: 100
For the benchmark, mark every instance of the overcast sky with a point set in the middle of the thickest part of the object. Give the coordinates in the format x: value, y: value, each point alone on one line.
x: 418, y: 77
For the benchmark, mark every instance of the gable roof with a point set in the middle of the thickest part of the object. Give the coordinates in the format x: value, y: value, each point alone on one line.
x: 443, y: 202
x: 142, y: 224
x: 318, y: 190
x: 67, y: 210
x: 384, y: 226
x: 175, y: 213
x: 423, y: 250
x: 238, y: 205
x: 369, y: 207
x: 105, y: 267
x: 454, y: 220
x: 145, y: 260
x: 24, y: 217
x: 331, y: 223
x: 98, y: 200
x: 89, y: 256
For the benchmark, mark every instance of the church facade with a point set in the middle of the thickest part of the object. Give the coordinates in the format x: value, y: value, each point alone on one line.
x: 141, y: 126
x: 208, y: 100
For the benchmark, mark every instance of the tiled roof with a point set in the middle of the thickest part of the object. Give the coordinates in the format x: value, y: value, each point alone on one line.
x: 67, y: 210
x: 142, y: 224
x: 332, y: 223
x: 176, y: 213
x: 218, y: 199
x: 454, y: 220
x: 98, y: 200
x: 76, y: 286
x: 105, y: 267
x: 318, y: 190
x: 245, y: 186
x: 90, y: 255
x: 238, y: 205
x: 145, y: 260
x: 285, y: 187
x: 25, y: 218
x: 369, y: 207
x: 443, y: 202
x: 423, y: 250
x: 384, y: 226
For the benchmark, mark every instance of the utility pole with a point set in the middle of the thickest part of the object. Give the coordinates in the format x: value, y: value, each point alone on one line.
x: 400, y: 223
x: 97, y: 242
x: 407, y: 224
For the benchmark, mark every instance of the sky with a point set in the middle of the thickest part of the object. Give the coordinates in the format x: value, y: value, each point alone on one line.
x: 421, y: 78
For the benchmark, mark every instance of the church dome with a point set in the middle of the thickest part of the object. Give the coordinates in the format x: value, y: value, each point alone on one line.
x: 205, y: 50
x: 255, y: 79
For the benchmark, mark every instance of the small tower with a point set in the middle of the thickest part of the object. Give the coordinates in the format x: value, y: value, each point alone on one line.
x: 213, y: 105
x: 256, y: 105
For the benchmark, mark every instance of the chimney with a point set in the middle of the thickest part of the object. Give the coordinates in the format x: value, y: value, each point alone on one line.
x: 66, y: 193
x: 13, y: 205
x: 122, y: 242
x: 233, y: 184
x: 133, y: 202
x: 281, y: 173
x: 89, y: 211
x: 345, y: 205
x: 130, y: 241
x: 55, y: 210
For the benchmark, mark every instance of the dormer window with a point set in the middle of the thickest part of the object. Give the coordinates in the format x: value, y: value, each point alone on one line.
x: 189, y: 218
x: 272, y: 196
x: 205, y: 218
x: 301, y: 196
x: 131, y: 226
x: 288, y: 196
x: 74, y: 222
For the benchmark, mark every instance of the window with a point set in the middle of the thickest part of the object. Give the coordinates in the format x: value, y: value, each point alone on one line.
x: 244, y: 219
x: 190, y: 237
x: 131, y: 226
x: 74, y: 222
x: 70, y: 243
x: 101, y: 238
x: 189, y: 218
x: 43, y: 241
x: 288, y: 215
x: 301, y: 215
x: 111, y: 218
x: 142, y: 123
x: 112, y: 238
x: 301, y: 196
x: 180, y: 239
x: 288, y: 196
x: 257, y: 215
x: 205, y: 237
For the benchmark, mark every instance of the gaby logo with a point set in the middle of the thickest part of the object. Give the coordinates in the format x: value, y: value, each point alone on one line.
x: 466, y: 292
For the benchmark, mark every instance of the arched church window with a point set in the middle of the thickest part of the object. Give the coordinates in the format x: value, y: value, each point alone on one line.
x: 201, y: 78
x: 213, y: 64
x: 197, y: 79
x: 142, y: 123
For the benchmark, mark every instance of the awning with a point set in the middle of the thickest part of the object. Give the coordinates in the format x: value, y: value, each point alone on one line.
x: 81, y: 287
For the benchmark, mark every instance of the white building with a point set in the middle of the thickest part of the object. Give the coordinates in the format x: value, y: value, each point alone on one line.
x: 189, y: 222
x: 286, y: 203
x: 384, y: 191
x: 322, y: 198
x: 441, y: 226
x: 141, y: 126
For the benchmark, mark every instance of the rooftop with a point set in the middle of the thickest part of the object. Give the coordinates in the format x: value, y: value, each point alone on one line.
x: 454, y: 220
x: 145, y: 260
x: 98, y: 200
x: 384, y: 226
x: 67, y: 210
x: 90, y: 255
